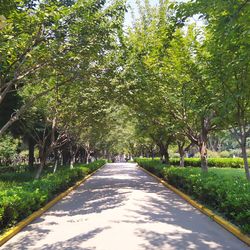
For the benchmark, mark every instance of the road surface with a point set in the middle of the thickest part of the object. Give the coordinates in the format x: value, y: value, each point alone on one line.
x: 123, y: 208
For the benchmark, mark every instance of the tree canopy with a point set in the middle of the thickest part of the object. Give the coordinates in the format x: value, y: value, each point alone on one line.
x: 75, y: 82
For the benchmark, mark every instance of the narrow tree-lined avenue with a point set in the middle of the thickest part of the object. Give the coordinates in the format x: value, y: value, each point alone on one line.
x: 121, y: 207
x: 69, y: 67
x: 161, y: 83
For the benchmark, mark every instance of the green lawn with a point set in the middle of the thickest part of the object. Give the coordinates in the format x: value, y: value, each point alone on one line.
x: 229, y: 172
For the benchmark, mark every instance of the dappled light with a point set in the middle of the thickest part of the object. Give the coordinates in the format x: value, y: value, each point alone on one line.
x: 89, y: 89
x: 121, y: 207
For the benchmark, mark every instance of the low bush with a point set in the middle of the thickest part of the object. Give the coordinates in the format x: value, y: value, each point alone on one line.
x: 225, y: 154
x: 8, y: 149
x: 18, y: 202
x: 212, y: 162
x: 153, y: 166
x: 221, y: 190
x: 196, y: 162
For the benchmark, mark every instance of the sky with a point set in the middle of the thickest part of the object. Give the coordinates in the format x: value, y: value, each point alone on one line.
x: 132, y: 3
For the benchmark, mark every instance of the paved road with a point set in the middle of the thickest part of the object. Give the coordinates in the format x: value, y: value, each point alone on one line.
x: 122, y: 208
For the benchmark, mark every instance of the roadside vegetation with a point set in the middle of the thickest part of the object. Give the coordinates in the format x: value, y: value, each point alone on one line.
x: 21, y: 195
x: 224, y: 190
x: 78, y: 85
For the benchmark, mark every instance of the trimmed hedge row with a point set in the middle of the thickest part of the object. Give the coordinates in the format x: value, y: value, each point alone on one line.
x: 153, y: 166
x: 228, y: 195
x: 212, y: 162
x: 19, y: 202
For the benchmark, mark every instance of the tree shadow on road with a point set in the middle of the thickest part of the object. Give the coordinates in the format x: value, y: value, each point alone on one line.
x: 145, y: 203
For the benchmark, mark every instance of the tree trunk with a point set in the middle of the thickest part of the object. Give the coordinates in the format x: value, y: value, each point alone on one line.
x: 88, y: 158
x: 56, y: 160
x: 164, y: 154
x: 246, y: 166
x: 72, y: 161
x: 65, y: 157
x: 55, y: 165
x: 83, y: 156
x: 152, y: 152
x: 167, y: 157
x: 241, y: 137
x: 41, y: 167
x: 181, y: 152
x: 31, y: 153
x: 203, y: 154
x: 61, y: 159
x: 182, y: 160
x: 202, y: 143
x: 72, y: 156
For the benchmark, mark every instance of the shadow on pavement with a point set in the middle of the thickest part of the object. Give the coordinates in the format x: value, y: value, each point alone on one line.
x: 158, y: 218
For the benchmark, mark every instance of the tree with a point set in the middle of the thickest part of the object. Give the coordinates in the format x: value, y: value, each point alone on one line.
x: 166, y: 69
x: 56, y: 39
x: 228, y: 62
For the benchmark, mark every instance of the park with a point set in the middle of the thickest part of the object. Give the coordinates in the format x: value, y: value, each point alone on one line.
x: 124, y: 124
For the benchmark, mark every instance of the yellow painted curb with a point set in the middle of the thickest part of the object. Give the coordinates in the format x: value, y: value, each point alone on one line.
x: 227, y: 225
x: 16, y: 229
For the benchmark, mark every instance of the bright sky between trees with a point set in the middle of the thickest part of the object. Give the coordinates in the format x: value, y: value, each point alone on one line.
x: 132, y: 6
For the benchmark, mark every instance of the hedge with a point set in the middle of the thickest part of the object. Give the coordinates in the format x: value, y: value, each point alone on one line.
x: 228, y: 195
x: 19, y: 202
x: 212, y: 162
x: 153, y: 166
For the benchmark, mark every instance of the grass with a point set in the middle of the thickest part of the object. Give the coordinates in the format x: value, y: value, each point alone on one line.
x: 229, y: 172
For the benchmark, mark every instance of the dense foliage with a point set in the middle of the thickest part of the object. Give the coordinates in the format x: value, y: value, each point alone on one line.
x: 8, y: 149
x: 73, y: 69
x: 223, y: 190
x: 76, y: 85
x: 195, y: 162
x: 18, y: 201
x: 56, y: 75
x: 212, y: 162
x: 188, y: 81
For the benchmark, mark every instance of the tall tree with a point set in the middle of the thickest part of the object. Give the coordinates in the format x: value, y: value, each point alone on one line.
x: 228, y: 63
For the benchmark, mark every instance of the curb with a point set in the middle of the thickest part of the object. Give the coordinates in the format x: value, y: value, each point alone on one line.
x: 224, y: 223
x: 16, y: 229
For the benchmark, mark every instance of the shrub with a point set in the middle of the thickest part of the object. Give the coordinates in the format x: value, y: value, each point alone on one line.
x: 228, y: 195
x: 212, y: 162
x: 20, y: 201
x: 213, y: 154
x: 224, y: 154
x: 222, y: 190
x: 8, y: 149
x: 153, y: 166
